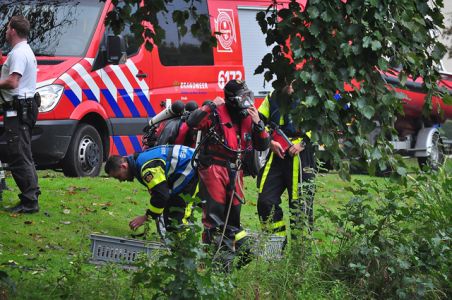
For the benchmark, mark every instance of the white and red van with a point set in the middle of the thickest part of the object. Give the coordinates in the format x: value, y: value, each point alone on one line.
x: 98, y: 93
x: 95, y: 103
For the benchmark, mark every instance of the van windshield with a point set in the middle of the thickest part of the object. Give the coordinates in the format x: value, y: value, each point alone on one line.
x: 58, y: 27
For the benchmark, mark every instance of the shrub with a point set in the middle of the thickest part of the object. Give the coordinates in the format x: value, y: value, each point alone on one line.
x: 81, y: 281
x: 394, y: 241
x: 185, y: 272
x: 295, y: 276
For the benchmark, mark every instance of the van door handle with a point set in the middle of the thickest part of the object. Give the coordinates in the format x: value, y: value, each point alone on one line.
x: 141, y: 75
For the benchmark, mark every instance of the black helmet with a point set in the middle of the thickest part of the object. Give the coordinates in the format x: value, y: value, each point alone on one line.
x: 238, y: 96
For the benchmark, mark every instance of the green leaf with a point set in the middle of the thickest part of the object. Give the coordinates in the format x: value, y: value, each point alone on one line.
x: 345, y: 47
x: 305, y: 76
x: 382, y: 64
x: 374, y: 3
x: 259, y: 70
x: 344, y: 171
x: 284, y: 13
x: 195, y: 28
x: 311, y: 101
x: 270, y: 39
x: 360, y: 141
x: 403, y: 78
x: 267, y: 59
x: 314, y: 29
x: 368, y: 111
x: 298, y: 52
x: 330, y: 105
x: 326, y: 16
x: 382, y: 165
x: 438, y: 51
x: 378, y: 35
x: 268, y: 76
x: 320, y: 90
x: 322, y: 46
x: 333, y: 116
x: 376, y: 154
x: 315, y: 77
x: 361, y: 103
x: 376, y: 45
x: 260, y: 16
x: 353, y: 29
x: 183, y: 30
x: 366, y: 41
x: 411, y: 58
x: 313, y: 12
x: 327, y: 139
x: 447, y: 99
x: 401, y: 171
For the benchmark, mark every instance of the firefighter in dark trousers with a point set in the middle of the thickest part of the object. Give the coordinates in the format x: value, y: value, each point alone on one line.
x: 229, y: 127
x: 17, y: 97
x: 166, y: 171
x: 282, y: 170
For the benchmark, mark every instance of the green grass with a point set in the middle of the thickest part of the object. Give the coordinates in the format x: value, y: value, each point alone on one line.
x: 36, y: 249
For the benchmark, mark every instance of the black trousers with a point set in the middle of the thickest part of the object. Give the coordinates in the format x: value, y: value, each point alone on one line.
x: 18, y: 131
x: 178, y: 211
x: 279, y: 175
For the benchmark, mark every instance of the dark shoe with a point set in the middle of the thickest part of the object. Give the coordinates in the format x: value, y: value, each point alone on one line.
x: 25, y: 209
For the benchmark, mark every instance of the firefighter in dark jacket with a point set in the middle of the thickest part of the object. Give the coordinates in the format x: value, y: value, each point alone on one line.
x: 229, y: 128
x: 285, y: 163
x: 167, y: 173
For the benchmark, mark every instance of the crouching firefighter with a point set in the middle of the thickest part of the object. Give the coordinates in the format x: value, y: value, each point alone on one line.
x: 290, y: 165
x: 167, y: 173
x: 230, y: 127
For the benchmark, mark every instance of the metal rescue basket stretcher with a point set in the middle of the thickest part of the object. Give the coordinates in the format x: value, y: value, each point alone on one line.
x: 109, y: 249
x: 121, y: 250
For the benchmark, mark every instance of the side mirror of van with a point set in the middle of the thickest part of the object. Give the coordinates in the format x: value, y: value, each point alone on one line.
x: 116, y: 50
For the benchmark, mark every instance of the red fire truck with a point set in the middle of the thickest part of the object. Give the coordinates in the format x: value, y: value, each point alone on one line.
x: 98, y: 92
x: 418, y: 136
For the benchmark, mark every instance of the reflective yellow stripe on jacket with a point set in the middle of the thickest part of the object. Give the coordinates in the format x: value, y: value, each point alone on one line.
x: 240, y: 235
x: 266, y: 170
x: 189, y: 208
x: 153, y: 176
x: 156, y: 210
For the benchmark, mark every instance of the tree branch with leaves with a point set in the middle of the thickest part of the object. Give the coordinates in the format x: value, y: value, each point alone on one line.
x: 329, y: 43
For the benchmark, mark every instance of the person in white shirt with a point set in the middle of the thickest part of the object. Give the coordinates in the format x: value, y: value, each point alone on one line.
x: 20, y: 106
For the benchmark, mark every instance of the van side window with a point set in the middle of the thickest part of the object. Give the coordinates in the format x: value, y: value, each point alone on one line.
x: 132, y: 45
x: 186, y: 50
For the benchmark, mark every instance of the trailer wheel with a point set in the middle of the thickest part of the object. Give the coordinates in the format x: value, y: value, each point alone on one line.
x: 85, y: 153
x: 436, y: 158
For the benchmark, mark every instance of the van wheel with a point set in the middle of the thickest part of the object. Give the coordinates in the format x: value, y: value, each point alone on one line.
x: 436, y: 158
x: 85, y: 153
